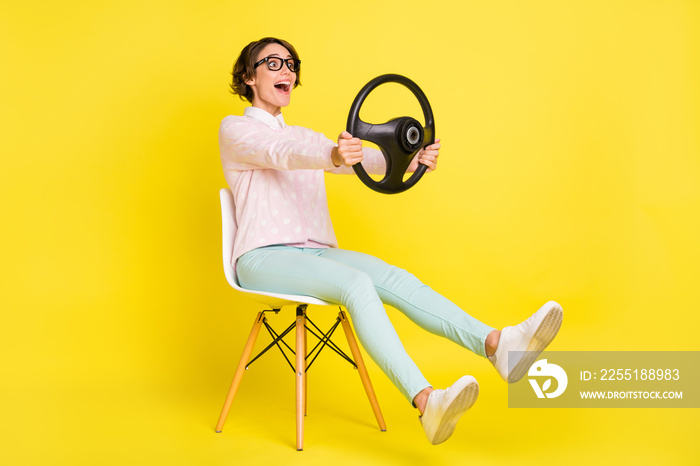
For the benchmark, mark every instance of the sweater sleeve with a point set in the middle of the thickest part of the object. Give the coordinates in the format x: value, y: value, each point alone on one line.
x: 373, y: 163
x: 248, y: 146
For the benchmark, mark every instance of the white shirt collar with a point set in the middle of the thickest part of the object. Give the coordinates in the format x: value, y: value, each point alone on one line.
x: 262, y: 115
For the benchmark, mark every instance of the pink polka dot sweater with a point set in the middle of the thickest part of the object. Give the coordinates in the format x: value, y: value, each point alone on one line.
x: 276, y: 174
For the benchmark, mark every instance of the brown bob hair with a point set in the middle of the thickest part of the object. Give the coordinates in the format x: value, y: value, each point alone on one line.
x: 244, y: 68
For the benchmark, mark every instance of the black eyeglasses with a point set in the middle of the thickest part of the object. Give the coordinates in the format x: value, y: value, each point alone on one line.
x: 275, y: 63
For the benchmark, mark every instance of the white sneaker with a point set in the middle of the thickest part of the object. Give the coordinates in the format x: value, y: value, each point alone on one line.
x: 533, y: 336
x: 445, y: 407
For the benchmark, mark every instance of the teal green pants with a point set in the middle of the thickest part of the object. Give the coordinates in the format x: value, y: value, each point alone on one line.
x: 361, y: 283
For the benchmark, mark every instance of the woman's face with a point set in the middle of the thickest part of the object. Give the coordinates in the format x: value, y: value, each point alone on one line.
x: 272, y: 89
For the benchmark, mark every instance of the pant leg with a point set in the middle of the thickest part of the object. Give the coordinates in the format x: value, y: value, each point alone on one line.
x: 284, y: 269
x: 427, y: 308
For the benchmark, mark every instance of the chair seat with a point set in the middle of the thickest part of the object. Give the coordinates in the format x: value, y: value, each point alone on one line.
x: 278, y: 300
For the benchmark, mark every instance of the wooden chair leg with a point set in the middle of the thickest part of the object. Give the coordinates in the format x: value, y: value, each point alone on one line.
x: 362, y: 370
x: 300, y: 375
x: 306, y: 380
x: 239, y: 370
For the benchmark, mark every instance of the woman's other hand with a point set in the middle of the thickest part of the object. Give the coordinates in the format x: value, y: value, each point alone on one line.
x: 348, y: 152
x: 427, y: 156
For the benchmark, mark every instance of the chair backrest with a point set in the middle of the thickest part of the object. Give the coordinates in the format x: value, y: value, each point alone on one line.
x: 228, y: 233
x: 228, y: 237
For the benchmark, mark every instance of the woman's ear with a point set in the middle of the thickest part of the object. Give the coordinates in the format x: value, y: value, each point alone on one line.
x: 249, y: 81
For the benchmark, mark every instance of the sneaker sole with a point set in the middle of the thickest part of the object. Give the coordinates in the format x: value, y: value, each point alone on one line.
x: 461, y: 403
x: 545, y: 333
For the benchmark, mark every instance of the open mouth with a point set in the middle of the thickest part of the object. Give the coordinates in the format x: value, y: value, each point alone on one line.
x: 283, y: 86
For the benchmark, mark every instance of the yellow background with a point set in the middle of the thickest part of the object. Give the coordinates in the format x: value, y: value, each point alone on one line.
x: 570, y: 170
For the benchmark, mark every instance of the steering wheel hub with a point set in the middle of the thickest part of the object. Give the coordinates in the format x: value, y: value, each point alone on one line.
x: 410, y: 135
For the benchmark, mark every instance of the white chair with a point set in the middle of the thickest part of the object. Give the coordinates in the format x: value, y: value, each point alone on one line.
x: 274, y: 302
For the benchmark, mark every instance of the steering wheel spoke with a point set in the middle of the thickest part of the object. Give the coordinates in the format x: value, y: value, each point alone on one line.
x: 362, y: 129
x: 382, y: 135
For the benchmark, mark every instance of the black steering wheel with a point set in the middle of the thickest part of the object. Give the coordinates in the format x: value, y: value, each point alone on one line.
x: 399, y: 139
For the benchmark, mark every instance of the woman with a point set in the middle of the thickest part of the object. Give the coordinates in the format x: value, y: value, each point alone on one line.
x: 286, y: 243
